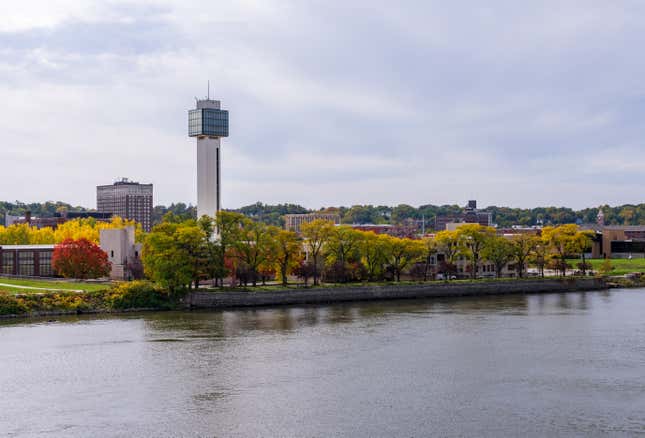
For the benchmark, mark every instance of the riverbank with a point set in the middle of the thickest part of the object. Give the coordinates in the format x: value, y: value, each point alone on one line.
x: 144, y: 296
x: 322, y: 295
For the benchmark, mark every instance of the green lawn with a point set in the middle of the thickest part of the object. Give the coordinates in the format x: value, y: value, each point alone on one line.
x: 14, y: 285
x: 621, y: 266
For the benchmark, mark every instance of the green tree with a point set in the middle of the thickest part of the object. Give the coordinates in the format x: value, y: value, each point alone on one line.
x: 254, y: 246
x: 172, y: 254
x: 226, y: 233
x: 499, y: 251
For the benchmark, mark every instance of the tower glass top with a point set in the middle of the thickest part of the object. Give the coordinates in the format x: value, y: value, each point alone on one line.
x: 207, y: 121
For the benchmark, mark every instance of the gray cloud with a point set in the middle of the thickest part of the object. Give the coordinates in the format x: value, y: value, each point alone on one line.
x: 428, y: 102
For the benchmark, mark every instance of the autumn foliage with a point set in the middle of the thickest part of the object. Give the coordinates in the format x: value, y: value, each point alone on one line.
x: 80, y: 259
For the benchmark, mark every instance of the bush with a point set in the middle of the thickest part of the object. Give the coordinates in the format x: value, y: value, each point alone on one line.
x: 136, y: 295
x: 10, y: 305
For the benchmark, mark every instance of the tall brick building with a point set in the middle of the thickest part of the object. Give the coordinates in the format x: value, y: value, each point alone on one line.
x: 127, y: 199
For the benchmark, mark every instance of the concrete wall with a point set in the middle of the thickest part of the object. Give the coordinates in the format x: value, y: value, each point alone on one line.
x: 120, y: 246
x: 389, y: 292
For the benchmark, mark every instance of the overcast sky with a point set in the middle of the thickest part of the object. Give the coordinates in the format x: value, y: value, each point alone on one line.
x: 331, y: 102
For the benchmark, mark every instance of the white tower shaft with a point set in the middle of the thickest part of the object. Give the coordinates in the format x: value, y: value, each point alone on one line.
x: 208, y: 176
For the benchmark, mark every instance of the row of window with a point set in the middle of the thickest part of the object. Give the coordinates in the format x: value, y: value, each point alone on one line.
x: 27, y: 263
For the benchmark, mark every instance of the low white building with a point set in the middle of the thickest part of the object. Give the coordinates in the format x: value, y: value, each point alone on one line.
x: 122, y: 250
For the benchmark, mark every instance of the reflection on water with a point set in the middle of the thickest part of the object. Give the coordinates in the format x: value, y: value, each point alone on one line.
x: 534, y: 365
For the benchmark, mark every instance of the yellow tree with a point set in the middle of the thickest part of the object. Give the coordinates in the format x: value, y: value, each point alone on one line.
x: 473, y: 239
x: 372, y: 250
x: 17, y: 234
x: 287, y: 253
x: 316, y: 234
x: 342, y: 247
x: 524, y: 246
x: 582, y: 243
x: 448, y: 245
x: 562, y: 243
x: 401, y: 253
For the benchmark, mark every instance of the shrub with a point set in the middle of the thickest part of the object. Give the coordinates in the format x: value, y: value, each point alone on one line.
x: 136, y: 295
x: 10, y: 305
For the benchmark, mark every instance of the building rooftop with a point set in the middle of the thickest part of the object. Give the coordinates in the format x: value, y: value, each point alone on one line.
x: 27, y: 247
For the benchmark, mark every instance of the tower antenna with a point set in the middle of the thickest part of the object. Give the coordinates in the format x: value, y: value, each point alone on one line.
x: 209, y: 90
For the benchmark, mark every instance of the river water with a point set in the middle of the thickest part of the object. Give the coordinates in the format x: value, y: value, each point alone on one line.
x: 535, y: 365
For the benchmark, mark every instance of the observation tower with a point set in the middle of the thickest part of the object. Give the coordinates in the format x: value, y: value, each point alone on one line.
x: 208, y: 123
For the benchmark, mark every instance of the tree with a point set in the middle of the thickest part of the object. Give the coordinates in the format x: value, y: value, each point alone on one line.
x: 228, y: 226
x: 80, y: 259
x: 605, y: 268
x: 523, y: 246
x: 316, y: 234
x: 581, y: 243
x: 473, y: 238
x: 431, y: 248
x: 254, y: 246
x: 172, y: 254
x: 400, y: 253
x: 499, y: 251
x: 562, y: 242
x: 372, y: 250
x: 448, y: 245
x: 287, y: 253
x: 342, y: 247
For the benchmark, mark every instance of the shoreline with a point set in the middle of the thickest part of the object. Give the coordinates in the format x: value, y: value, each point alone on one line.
x: 240, y: 299
x: 322, y: 295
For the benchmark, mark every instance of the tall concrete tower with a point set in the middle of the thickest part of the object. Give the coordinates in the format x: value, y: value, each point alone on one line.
x: 208, y: 122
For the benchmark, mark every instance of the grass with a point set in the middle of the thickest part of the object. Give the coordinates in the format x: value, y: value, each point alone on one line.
x: 621, y: 266
x: 300, y: 286
x: 41, y: 286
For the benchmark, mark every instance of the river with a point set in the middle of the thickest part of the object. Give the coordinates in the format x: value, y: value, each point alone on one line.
x: 534, y: 365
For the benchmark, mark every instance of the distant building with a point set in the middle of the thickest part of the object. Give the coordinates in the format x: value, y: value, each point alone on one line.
x: 375, y: 228
x: 122, y: 251
x: 56, y: 220
x: 600, y: 218
x: 292, y: 222
x: 470, y: 215
x: 128, y: 200
x: 619, y: 241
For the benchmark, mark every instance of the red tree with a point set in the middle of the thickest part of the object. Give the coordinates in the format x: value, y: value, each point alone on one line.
x: 80, y: 259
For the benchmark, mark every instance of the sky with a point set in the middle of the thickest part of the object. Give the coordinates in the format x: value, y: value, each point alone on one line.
x: 511, y: 103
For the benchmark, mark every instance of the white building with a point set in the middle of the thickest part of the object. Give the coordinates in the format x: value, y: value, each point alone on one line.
x: 122, y: 250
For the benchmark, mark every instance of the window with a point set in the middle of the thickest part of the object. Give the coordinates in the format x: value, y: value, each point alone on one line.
x: 45, y: 264
x: 7, y: 263
x: 26, y: 263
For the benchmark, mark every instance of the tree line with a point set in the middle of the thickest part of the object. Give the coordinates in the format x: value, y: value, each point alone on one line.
x: 628, y: 214
x: 179, y: 254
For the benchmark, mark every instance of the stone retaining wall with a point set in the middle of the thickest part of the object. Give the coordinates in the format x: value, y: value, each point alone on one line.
x: 215, y: 300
